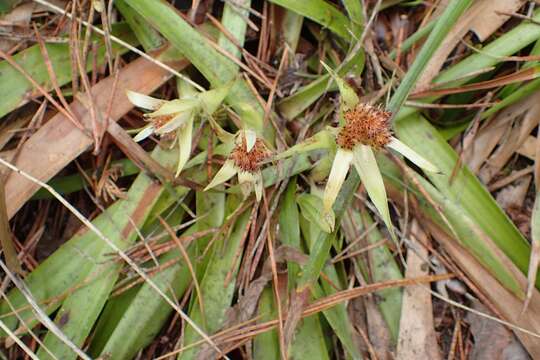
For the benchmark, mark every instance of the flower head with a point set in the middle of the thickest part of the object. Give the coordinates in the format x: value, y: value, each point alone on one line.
x: 364, y: 128
x: 249, y: 161
x: 245, y: 159
x: 174, y: 118
x: 365, y: 124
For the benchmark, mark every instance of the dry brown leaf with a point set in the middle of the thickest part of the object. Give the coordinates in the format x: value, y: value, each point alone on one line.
x: 58, y: 142
x: 20, y: 17
x: 515, y: 77
x: 493, y: 131
x: 511, y: 143
x: 514, y: 194
x: 417, y: 338
x: 492, y: 341
x: 528, y: 148
x: 378, y: 332
x: 482, y: 18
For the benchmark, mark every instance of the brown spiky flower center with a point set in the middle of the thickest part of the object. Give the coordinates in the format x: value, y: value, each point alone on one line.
x: 249, y: 161
x: 160, y: 120
x: 367, y: 125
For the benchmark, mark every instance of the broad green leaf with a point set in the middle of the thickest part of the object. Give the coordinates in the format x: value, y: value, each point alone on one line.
x: 474, y: 238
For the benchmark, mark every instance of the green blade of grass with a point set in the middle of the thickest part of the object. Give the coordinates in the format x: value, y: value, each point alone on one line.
x: 234, y: 20
x: 70, y: 264
x: 147, y: 312
x: 143, y: 316
x: 289, y: 229
x: 321, y: 12
x: 292, y: 27
x: 382, y: 267
x: 354, y: 9
x: 309, y: 340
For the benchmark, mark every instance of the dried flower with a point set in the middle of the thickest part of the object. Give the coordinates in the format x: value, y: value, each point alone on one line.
x: 365, y: 124
x: 245, y: 160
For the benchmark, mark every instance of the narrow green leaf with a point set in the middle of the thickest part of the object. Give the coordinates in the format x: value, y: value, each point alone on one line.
x: 312, y: 208
x: 234, y: 20
x: 445, y: 22
x: 266, y: 345
x: 535, y: 248
x: 383, y: 267
x: 337, y: 316
x: 289, y: 228
x: 217, y: 289
x: 147, y: 36
x: 321, y: 12
x: 493, y: 53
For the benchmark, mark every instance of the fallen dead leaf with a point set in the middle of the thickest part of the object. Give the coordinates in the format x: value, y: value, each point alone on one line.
x: 492, y: 341
x: 417, y: 338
